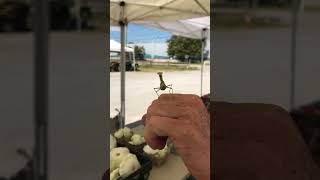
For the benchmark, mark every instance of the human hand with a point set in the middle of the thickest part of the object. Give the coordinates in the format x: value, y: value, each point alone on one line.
x: 185, y: 120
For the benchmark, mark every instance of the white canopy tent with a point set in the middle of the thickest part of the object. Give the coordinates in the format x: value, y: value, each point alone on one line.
x: 123, y: 12
x: 127, y: 11
x: 191, y: 28
x: 115, y: 46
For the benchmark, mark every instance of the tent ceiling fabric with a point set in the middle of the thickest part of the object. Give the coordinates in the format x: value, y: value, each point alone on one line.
x: 156, y: 10
x: 191, y: 28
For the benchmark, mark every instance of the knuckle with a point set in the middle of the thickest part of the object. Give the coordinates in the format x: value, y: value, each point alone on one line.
x: 154, y: 102
x: 192, y: 112
x: 152, y: 121
x: 152, y: 106
x: 163, y: 95
x: 149, y: 110
x: 188, y: 122
x: 194, y: 96
x: 147, y: 119
x: 188, y: 129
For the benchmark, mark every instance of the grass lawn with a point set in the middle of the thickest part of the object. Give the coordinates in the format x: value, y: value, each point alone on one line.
x: 237, y: 20
x: 164, y: 68
x: 312, y: 8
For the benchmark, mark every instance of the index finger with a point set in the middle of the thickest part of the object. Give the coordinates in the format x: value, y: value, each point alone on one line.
x: 185, y: 99
x: 178, y: 97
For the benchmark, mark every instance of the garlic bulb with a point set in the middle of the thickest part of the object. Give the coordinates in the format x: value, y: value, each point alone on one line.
x: 119, y: 134
x: 116, y: 156
x: 156, y: 152
x: 114, y: 174
x: 147, y: 149
x: 137, y: 139
x: 127, y: 133
x: 129, y: 165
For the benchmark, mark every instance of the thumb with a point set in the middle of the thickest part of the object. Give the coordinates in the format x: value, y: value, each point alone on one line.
x: 158, y: 129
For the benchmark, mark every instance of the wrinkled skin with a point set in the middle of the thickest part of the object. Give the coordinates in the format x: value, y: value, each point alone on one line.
x: 185, y: 120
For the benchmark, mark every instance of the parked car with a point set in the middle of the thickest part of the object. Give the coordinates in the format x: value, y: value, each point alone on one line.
x: 115, y: 61
x: 115, y: 57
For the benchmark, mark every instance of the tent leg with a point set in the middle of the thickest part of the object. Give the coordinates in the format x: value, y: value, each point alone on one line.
x: 201, y: 81
x: 294, y: 31
x: 134, y: 60
x: 122, y: 74
x: 41, y: 31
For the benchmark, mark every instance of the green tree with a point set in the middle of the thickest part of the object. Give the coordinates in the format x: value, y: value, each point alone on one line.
x: 139, y: 52
x: 181, y: 46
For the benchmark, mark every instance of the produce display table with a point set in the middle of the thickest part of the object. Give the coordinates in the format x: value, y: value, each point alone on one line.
x: 174, y: 167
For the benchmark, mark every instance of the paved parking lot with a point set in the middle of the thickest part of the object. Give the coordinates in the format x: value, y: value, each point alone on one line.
x: 140, y: 92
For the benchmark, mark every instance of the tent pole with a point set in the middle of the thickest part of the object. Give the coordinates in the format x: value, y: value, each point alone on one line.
x: 202, y: 47
x: 134, y: 60
x: 122, y: 74
x: 201, y: 84
x: 294, y: 32
x: 41, y: 33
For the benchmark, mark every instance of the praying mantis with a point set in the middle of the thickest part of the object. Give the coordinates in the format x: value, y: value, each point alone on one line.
x: 163, y: 85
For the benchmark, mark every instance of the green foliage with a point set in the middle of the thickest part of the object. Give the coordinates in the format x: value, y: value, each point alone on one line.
x: 60, y: 14
x: 139, y: 52
x: 179, y: 47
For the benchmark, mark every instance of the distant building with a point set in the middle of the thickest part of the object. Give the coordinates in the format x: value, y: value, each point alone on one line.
x: 155, y: 49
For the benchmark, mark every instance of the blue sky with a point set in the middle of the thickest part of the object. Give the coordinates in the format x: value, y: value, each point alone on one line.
x: 139, y: 34
x: 144, y: 36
